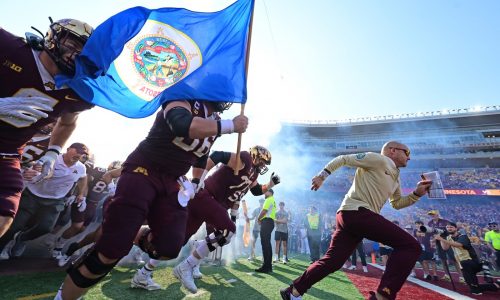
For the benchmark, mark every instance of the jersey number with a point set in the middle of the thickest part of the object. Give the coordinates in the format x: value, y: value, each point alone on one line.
x: 99, y: 187
x: 199, y: 149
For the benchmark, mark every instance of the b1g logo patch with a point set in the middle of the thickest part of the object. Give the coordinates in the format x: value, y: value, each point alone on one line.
x: 158, y: 57
x: 360, y: 156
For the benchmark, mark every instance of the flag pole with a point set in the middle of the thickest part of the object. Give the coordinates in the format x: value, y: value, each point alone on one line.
x: 242, y: 112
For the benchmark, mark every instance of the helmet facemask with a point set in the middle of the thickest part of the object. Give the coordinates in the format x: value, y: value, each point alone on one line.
x: 64, y: 41
x: 261, y: 158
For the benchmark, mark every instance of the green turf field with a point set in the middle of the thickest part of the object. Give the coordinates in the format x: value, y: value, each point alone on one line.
x: 217, y: 283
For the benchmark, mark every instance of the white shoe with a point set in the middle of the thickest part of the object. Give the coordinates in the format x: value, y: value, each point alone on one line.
x: 144, y: 281
x: 184, y: 272
x: 19, y: 246
x: 63, y: 260
x: 138, y: 257
x: 412, y: 274
x: 344, y: 266
x: 5, y: 255
x: 365, y: 269
x: 353, y: 267
x: 284, y: 261
x: 196, y: 272
x: 56, y: 254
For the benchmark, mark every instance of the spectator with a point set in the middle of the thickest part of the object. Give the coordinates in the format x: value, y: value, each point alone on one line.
x: 492, y: 238
x: 427, y: 256
x: 281, y: 233
x: 256, y: 228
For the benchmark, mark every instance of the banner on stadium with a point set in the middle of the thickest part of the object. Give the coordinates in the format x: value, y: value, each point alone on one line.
x: 466, y: 192
x: 141, y: 58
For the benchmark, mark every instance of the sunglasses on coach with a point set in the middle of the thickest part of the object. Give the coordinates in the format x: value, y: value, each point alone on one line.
x: 406, y: 151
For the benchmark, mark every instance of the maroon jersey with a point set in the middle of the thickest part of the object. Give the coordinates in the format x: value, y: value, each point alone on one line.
x: 98, y: 189
x: 35, y: 148
x: 228, y: 188
x: 21, y: 76
x: 172, y: 154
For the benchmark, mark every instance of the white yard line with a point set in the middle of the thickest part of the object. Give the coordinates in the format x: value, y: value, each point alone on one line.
x: 432, y: 287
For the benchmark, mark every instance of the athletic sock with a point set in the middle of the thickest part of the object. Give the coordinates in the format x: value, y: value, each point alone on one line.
x: 153, y: 263
x: 146, y: 271
x: 192, y: 261
x: 60, y: 243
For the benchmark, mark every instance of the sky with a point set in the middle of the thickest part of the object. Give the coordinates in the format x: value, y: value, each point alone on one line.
x: 318, y: 60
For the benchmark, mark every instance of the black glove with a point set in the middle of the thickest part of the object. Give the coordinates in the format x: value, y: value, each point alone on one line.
x: 275, y: 178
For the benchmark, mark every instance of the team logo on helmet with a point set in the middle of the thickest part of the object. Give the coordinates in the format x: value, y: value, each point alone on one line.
x: 261, y: 157
x: 65, y: 40
x: 116, y: 164
x: 158, y: 57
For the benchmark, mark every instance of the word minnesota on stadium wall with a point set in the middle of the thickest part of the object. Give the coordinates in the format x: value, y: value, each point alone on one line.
x: 467, y: 192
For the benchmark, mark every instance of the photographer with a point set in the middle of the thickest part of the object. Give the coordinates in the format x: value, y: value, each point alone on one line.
x: 466, y: 256
x: 446, y: 256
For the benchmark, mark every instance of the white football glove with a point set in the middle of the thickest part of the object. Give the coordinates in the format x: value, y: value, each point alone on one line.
x: 199, y: 184
x: 82, y: 205
x: 69, y: 200
x: 26, y: 109
x: 186, y: 191
x: 47, y: 161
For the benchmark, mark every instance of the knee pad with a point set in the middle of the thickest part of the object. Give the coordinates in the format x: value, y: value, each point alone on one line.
x: 146, y: 245
x: 218, y: 238
x: 95, y: 266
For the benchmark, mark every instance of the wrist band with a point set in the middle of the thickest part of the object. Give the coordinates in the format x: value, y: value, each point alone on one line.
x: 195, y: 180
x: 218, y: 128
x: 324, y: 173
x: 56, y: 148
x: 53, y: 150
x: 226, y: 126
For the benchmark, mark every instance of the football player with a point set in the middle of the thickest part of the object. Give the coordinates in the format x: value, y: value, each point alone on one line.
x: 29, y: 100
x: 148, y: 189
x: 112, y: 174
x: 222, y: 191
x: 83, y: 213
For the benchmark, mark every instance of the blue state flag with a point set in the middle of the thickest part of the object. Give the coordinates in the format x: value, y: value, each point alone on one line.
x: 141, y: 58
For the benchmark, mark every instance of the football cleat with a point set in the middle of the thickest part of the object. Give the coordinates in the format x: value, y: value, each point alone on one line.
x: 144, y: 281
x: 196, y: 272
x: 56, y: 253
x: 184, y: 272
x: 63, y: 260
x: 18, y: 247
x: 5, y: 254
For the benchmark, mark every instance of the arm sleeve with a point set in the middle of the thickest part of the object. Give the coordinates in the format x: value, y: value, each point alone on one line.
x: 201, y: 163
x: 220, y: 157
x: 398, y: 202
x: 179, y: 120
x: 360, y: 160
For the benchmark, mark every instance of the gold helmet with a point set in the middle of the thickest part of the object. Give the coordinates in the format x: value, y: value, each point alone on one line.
x: 116, y: 164
x: 261, y: 157
x: 64, y: 40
